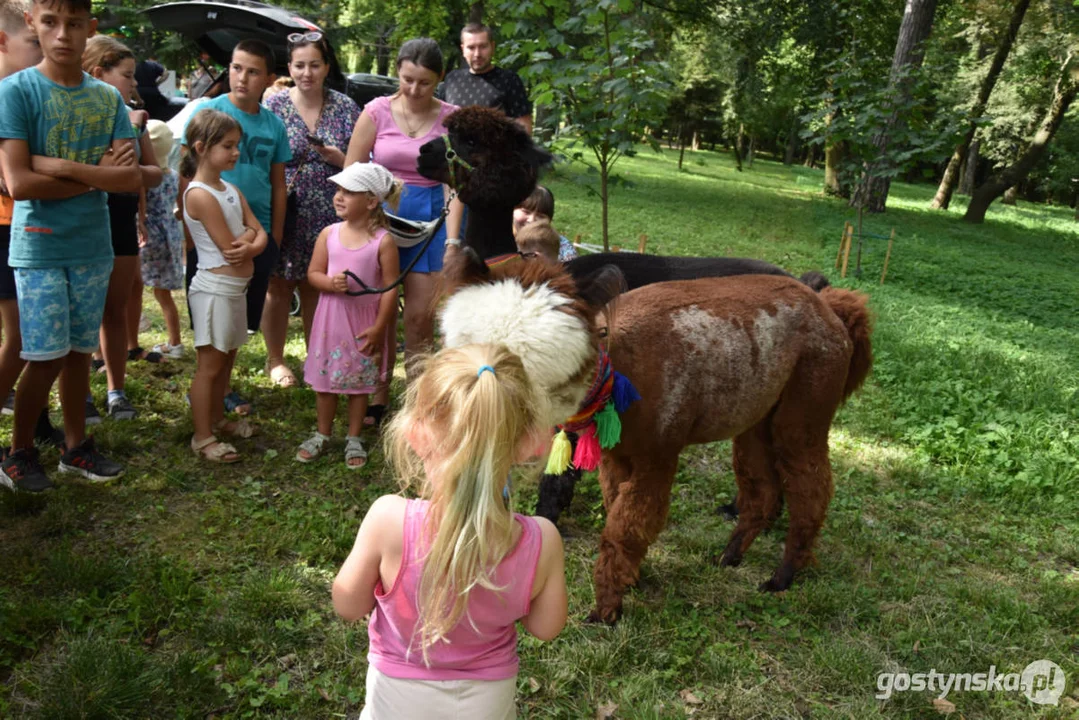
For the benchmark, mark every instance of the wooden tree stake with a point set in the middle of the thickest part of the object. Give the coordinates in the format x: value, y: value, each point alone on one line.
x: 842, y: 243
x: 887, y: 256
x: 846, y: 254
x: 641, y: 243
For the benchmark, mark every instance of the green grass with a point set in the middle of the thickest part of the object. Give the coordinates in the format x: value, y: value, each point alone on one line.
x: 191, y: 591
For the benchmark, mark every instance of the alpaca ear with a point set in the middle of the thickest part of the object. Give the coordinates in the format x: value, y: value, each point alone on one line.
x: 465, y: 268
x: 599, y: 288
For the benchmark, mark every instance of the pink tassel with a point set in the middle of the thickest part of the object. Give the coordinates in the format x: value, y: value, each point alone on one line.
x: 587, y: 455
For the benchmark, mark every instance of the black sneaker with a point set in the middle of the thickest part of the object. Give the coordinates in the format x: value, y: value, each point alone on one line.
x: 85, y: 460
x: 22, y: 471
x: 93, y: 417
x: 9, y: 404
x: 45, y: 433
x: 122, y: 409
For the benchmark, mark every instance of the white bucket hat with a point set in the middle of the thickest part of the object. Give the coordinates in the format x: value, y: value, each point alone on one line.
x: 365, y: 177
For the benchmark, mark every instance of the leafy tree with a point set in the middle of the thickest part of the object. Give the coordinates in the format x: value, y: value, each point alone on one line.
x: 1064, y: 91
x: 959, y: 155
x: 595, y: 61
x: 872, y: 192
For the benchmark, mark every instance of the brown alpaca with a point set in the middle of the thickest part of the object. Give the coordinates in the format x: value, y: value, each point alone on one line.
x: 761, y: 359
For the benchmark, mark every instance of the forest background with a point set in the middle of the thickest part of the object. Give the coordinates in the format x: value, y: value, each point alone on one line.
x: 973, y: 95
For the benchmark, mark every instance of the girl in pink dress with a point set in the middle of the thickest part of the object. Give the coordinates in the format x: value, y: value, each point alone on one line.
x: 348, y: 351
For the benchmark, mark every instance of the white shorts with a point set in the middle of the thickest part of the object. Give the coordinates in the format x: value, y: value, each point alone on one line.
x: 396, y: 699
x: 218, y: 310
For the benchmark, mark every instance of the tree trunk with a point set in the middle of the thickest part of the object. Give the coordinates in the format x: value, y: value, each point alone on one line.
x: 1063, y: 95
x: 969, y: 174
x: 382, y: 52
x: 811, y: 157
x: 872, y: 193
x: 951, y: 174
x: 604, y: 170
x: 792, y: 143
x: 682, y: 152
x: 750, y: 150
x: 475, y: 12
x: 736, y: 146
x: 1011, y: 195
x: 696, y: 141
x: 833, y: 157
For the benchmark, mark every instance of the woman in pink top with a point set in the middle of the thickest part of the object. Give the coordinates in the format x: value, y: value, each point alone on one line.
x: 447, y: 577
x: 390, y: 132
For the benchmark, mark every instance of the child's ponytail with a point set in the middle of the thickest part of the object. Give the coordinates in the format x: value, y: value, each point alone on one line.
x: 467, y: 417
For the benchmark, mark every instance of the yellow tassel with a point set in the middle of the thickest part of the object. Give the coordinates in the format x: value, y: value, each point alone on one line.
x: 561, y: 452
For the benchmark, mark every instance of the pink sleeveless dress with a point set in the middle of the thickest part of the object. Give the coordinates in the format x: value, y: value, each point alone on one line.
x: 334, y: 361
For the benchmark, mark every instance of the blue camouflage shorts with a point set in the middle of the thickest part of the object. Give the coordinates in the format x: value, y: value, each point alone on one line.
x: 60, y: 309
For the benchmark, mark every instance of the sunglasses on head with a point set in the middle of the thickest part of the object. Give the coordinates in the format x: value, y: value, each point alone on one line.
x: 313, y: 37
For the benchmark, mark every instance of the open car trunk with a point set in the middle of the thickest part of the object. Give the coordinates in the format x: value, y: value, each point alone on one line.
x: 216, y: 26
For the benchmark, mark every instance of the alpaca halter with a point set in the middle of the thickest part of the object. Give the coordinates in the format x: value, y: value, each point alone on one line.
x: 597, y: 422
x: 452, y: 158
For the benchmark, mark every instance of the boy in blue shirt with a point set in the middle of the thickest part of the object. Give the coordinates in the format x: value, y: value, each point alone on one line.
x: 260, y: 172
x: 65, y: 140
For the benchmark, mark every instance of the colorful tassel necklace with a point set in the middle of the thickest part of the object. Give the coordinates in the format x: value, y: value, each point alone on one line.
x: 597, y: 423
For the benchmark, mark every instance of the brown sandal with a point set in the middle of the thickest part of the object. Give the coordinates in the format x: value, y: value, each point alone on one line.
x: 214, y: 450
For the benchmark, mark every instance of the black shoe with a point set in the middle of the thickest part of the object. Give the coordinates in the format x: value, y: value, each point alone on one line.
x: 93, y: 417
x: 9, y: 404
x: 122, y: 409
x: 45, y: 433
x: 22, y: 471
x: 85, y: 460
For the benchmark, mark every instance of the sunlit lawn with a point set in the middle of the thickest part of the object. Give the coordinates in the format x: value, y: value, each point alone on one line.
x: 187, y: 590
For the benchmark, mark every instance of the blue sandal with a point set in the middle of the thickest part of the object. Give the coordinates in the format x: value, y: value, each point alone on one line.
x: 234, y: 403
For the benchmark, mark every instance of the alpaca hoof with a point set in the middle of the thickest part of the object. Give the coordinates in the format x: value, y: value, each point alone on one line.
x: 728, y: 511
x: 607, y: 617
x: 779, y: 582
x: 730, y: 559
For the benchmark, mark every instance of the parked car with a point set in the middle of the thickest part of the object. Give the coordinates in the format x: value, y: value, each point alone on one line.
x: 216, y: 26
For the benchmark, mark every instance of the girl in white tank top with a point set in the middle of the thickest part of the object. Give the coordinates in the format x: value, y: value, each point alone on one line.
x: 228, y: 237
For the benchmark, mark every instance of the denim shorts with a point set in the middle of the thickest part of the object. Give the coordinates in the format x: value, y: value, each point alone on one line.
x: 60, y: 309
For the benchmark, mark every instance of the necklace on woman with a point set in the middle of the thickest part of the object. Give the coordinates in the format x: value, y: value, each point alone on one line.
x: 409, y: 130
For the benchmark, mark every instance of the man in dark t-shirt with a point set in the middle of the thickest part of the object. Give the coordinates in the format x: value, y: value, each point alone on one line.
x: 481, y: 83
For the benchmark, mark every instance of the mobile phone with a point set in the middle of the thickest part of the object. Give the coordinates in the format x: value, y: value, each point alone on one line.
x: 316, y: 140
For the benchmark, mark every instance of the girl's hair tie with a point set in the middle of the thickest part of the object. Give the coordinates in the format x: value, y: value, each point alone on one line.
x: 485, y: 368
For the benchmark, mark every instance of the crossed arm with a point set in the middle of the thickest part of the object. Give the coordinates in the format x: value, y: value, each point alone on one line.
x: 45, y: 178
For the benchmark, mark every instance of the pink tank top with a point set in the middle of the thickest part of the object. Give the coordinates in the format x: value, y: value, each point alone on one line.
x: 396, y: 151
x: 483, y: 646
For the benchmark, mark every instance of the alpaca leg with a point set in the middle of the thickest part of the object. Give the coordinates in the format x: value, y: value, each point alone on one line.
x: 758, y: 490
x: 556, y: 494
x: 556, y: 491
x: 636, y: 513
x: 807, y: 487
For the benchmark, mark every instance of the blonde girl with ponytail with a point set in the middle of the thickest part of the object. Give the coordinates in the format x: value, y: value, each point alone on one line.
x: 447, y: 576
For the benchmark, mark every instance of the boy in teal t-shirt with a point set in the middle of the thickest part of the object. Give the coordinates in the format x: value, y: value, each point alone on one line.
x: 65, y: 140
x: 260, y: 172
